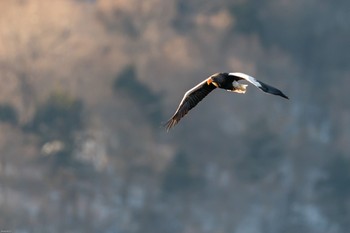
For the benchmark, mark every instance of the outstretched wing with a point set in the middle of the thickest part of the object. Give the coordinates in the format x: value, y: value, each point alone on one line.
x: 263, y: 86
x: 191, y: 98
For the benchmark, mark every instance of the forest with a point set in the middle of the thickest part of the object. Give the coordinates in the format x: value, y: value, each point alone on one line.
x: 86, y: 85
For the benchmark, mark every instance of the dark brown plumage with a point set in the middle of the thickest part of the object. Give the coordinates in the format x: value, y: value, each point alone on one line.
x: 227, y: 81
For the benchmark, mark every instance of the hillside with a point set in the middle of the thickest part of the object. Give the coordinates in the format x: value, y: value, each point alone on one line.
x: 87, y: 84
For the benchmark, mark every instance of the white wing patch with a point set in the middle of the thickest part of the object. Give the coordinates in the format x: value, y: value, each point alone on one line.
x: 248, y: 78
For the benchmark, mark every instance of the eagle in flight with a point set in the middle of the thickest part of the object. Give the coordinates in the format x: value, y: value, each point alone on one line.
x: 226, y: 81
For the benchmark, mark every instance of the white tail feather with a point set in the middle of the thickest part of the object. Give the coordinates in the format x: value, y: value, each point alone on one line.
x: 239, y: 88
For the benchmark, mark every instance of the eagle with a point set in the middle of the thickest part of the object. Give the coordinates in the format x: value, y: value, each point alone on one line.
x: 226, y: 81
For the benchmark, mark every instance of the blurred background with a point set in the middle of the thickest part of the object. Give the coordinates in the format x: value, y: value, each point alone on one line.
x: 86, y: 85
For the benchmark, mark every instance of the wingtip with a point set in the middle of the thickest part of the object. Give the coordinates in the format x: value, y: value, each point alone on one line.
x: 169, y: 124
x: 284, y: 96
x: 165, y: 126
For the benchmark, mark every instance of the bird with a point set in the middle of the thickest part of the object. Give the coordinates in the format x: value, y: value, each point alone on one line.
x: 226, y: 81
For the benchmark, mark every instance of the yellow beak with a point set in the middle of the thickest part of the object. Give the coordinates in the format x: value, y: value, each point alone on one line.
x: 209, y: 81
